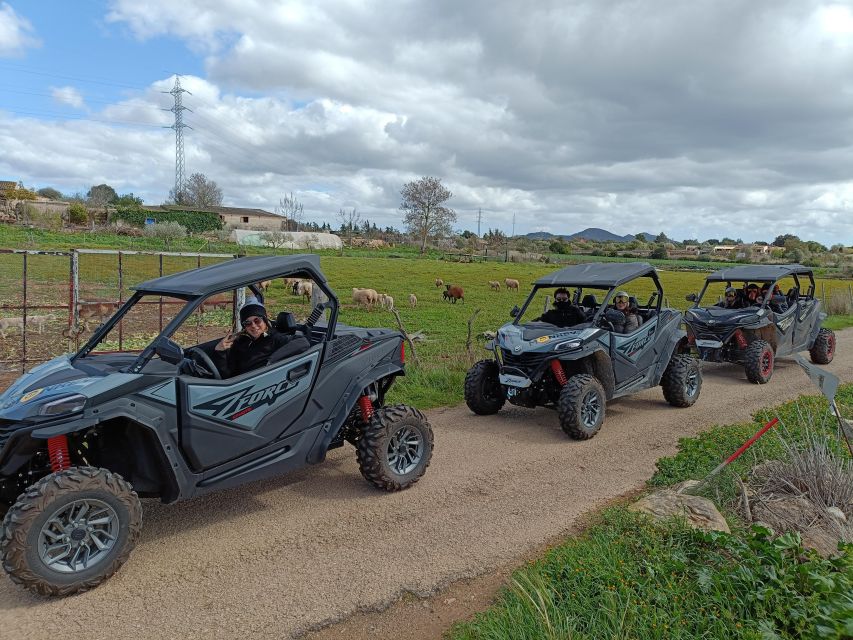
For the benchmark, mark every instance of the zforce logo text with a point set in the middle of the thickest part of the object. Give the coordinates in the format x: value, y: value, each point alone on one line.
x: 632, y: 347
x: 239, y: 403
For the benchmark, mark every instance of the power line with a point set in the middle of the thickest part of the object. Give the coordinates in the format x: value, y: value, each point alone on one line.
x: 34, y: 72
x: 54, y: 114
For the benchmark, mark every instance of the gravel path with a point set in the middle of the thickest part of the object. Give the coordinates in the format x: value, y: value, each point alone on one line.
x: 276, y: 558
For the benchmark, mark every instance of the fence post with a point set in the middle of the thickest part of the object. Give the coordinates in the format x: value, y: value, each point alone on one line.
x: 24, y: 317
x: 75, y: 295
x: 120, y: 285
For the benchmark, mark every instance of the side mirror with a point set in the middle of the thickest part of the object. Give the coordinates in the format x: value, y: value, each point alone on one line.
x: 690, y: 297
x: 169, y: 351
x: 513, y: 313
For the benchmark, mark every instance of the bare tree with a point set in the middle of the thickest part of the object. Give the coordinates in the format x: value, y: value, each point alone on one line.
x: 198, y: 192
x: 277, y: 239
x: 291, y: 209
x: 423, y: 208
x: 349, y: 222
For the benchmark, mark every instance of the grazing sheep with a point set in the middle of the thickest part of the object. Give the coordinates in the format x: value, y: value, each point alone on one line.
x: 386, y: 301
x: 264, y: 285
x: 453, y: 293
x: 289, y: 282
x: 367, y: 297
x: 494, y: 285
x: 511, y: 284
x: 94, y: 311
x: 39, y: 321
x: 304, y: 288
x: 413, y: 300
x: 10, y: 323
x: 439, y: 282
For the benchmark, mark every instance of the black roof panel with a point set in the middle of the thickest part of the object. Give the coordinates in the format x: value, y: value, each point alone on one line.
x: 232, y: 274
x: 596, y: 274
x: 757, y: 272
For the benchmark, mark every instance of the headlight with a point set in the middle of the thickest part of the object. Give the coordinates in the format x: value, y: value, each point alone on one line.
x: 68, y: 404
x: 565, y: 346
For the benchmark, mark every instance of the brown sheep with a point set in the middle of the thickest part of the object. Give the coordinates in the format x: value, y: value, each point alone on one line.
x: 413, y: 300
x: 264, y: 285
x: 453, y: 293
x: 511, y: 284
x: 494, y: 285
x: 439, y: 282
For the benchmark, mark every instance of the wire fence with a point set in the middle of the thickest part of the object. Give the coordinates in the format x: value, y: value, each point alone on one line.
x: 51, y: 301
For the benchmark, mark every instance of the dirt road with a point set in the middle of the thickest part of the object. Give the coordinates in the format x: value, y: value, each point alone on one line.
x: 276, y: 558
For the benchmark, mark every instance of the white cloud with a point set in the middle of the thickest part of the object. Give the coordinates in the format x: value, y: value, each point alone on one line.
x: 16, y: 33
x: 717, y: 117
x: 67, y: 95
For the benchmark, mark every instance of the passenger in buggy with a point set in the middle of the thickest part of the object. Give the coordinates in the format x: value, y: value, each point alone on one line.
x: 258, y: 344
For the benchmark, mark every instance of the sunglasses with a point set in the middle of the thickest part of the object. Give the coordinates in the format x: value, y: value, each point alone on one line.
x: 562, y: 298
x: 730, y: 295
x: 256, y: 321
x: 620, y: 299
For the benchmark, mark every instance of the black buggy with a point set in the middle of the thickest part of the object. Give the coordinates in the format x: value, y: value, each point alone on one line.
x: 84, y: 435
x: 775, y: 313
x: 578, y: 369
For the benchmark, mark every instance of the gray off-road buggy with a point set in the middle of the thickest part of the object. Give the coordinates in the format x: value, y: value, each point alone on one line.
x: 84, y: 435
x: 578, y: 369
x: 773, y: 313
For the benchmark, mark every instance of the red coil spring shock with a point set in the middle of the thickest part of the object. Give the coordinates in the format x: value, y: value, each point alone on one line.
x: 559, y: 374
x: 366, y: 407
x: 57, y: 449
x: 740, y: 339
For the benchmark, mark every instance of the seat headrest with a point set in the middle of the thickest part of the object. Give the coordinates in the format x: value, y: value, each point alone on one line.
x: 589, y: 301
x: 285, y: 322
x: 632, y: 302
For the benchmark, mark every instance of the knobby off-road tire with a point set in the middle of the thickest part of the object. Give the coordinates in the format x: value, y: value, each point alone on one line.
x: 483, y: 392
x: 395, y: 447
x: 682, y: 381
x: 53, y: 496
x: 758, y: 362
x: 823, y: 349
x: 582, y: 406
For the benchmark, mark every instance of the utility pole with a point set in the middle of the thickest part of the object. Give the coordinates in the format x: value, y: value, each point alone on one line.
x: 479, y: 220
x: 513, y: 225
x: 179, y: 126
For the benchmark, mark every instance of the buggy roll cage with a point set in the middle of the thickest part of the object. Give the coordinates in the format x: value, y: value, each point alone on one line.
x: 810, y: 291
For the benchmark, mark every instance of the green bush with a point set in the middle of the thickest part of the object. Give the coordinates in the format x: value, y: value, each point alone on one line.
x: 165, y: 231
x: 77, y: 213
x: 191, y: 221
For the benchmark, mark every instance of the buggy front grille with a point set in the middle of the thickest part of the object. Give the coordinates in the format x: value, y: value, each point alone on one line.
x: 524, y: 361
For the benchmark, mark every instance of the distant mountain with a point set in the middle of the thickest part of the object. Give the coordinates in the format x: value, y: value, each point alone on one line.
x: 592, y: 233
x: 599, y: 235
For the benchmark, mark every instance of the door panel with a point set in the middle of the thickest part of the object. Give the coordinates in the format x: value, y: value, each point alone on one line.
x: 633, y: 353
x: 806, y: 309
x: 224, y: 419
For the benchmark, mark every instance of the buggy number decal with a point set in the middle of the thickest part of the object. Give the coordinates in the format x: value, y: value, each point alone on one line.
x: 239, y: 403
x: 632, y: 346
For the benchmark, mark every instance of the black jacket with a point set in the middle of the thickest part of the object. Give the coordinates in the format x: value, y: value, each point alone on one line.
x: 563, y: 317
x: 247, y: 354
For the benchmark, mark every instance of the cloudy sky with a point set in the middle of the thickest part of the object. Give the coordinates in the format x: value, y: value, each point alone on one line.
x: 700, y: 119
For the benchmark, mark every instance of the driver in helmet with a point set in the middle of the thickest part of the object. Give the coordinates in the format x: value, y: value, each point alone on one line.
x: 252, y: 347
x: 753, y: 294
x: 731, y: 301
x: 564, y: 313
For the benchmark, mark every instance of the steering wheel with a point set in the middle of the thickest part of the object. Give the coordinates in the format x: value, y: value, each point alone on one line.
x: 197, y: 354
x: 604, y: 323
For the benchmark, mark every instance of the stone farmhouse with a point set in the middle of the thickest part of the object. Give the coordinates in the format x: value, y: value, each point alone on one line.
x: 234, y: 217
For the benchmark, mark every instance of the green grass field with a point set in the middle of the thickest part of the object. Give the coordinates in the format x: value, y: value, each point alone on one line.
x: 443, y: 356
